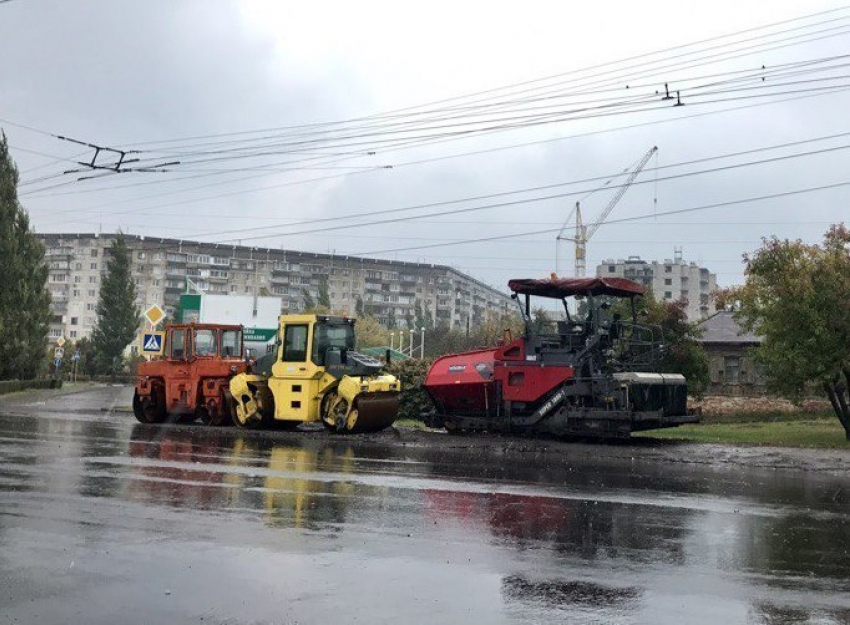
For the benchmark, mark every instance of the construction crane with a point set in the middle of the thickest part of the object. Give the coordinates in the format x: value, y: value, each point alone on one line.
x: 583, y: 233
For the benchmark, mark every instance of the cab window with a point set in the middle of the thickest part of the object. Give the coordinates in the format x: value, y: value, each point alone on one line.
x: 295, y: 344
x: 178, y: 344
x: 327, y: 336
x: 204, y: 343
x: 231, y: 343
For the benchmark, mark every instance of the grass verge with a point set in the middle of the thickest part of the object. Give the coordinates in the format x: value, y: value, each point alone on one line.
x: 812, y: 433
x: 68, y: 388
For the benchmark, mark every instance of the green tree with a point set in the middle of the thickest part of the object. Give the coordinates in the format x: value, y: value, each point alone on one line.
x: 682, y: 351
x: 118, y: 316
x: 796, y: 298
x: 324, y: 297
x: 358, y: 307
x: 87, y: 363
x: 429, y: 318
x: 392, y: 323
x: 309, y: 302
x: 370, y: 333
x: 24, y: 300
x: 541, y: 322
x: 419, y: 314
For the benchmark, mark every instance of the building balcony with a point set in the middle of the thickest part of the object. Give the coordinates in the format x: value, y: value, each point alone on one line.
x: 64, y: 253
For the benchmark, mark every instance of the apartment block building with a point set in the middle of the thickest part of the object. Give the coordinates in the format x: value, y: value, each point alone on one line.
x: 669, y: 280
x: 163, y: 269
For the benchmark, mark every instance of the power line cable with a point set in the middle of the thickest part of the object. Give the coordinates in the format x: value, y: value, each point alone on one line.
x: 627, y: 219
x: 806, y: 92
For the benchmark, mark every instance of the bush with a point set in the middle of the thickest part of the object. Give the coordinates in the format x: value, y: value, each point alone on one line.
x: 414, y: 400
x: 13, y: 386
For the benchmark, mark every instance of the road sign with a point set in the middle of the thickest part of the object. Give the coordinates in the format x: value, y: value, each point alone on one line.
x: 58, y: 353
x: 57, y: 362
x: 154, y: 315
x: 152, y: 343
x: 60, y: 341
x: 76, y: 356
x: 260, y: 335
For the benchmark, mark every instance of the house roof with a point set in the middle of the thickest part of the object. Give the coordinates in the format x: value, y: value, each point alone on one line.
x: 722, y: 327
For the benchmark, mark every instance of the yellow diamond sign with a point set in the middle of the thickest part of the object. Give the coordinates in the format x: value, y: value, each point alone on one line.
x: 60, y: 341
x: 154, y: 315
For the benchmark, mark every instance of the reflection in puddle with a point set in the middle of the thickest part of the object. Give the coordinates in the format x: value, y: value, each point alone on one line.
x: 226, y: 469
x: 583, y: 528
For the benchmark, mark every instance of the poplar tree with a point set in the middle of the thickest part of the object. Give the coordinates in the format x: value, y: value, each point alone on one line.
x: 24, y: 299
x: 324, y: 297
x: 419, y: 314
x: 118, y: 316
x: 309, y: 302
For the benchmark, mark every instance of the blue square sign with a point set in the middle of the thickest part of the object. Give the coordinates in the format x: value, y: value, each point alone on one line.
x: 152, y: 343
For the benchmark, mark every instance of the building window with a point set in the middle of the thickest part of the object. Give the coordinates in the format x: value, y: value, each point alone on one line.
x: 92, y: 293
x: 76, y: 292
x: 612, y: 268
x: 92, y: 279
x: 73, y: 334
x: 668, y: 281
x: 78, y: 266
x: 90, y: 306
x: 668, y: 269
x: 73, y: 321
x: 141, y: 255
x: 732, y: 366
x: 94, y: 253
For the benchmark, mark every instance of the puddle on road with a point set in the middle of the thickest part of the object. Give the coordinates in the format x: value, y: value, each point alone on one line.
x: 587, y: 537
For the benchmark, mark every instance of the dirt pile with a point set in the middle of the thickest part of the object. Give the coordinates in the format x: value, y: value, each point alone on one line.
x: 718, y: 406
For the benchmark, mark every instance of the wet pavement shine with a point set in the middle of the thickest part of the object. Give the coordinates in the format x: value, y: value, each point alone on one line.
x: 103, y: 520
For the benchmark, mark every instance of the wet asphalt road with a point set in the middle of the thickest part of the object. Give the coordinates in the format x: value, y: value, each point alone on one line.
x: 106, y: 521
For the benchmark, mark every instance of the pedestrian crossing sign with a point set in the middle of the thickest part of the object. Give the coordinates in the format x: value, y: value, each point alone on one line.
x: 152, y: 343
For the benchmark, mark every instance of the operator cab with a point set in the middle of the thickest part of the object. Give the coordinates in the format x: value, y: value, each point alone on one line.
x: 190, y: 341
x: 595, y: 334
x: 323, y: 340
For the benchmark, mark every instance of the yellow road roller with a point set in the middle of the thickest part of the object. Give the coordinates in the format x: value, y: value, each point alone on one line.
x: 315, y: 374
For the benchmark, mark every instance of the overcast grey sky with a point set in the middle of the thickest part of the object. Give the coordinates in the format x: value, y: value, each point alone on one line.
x: 145, y: 74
